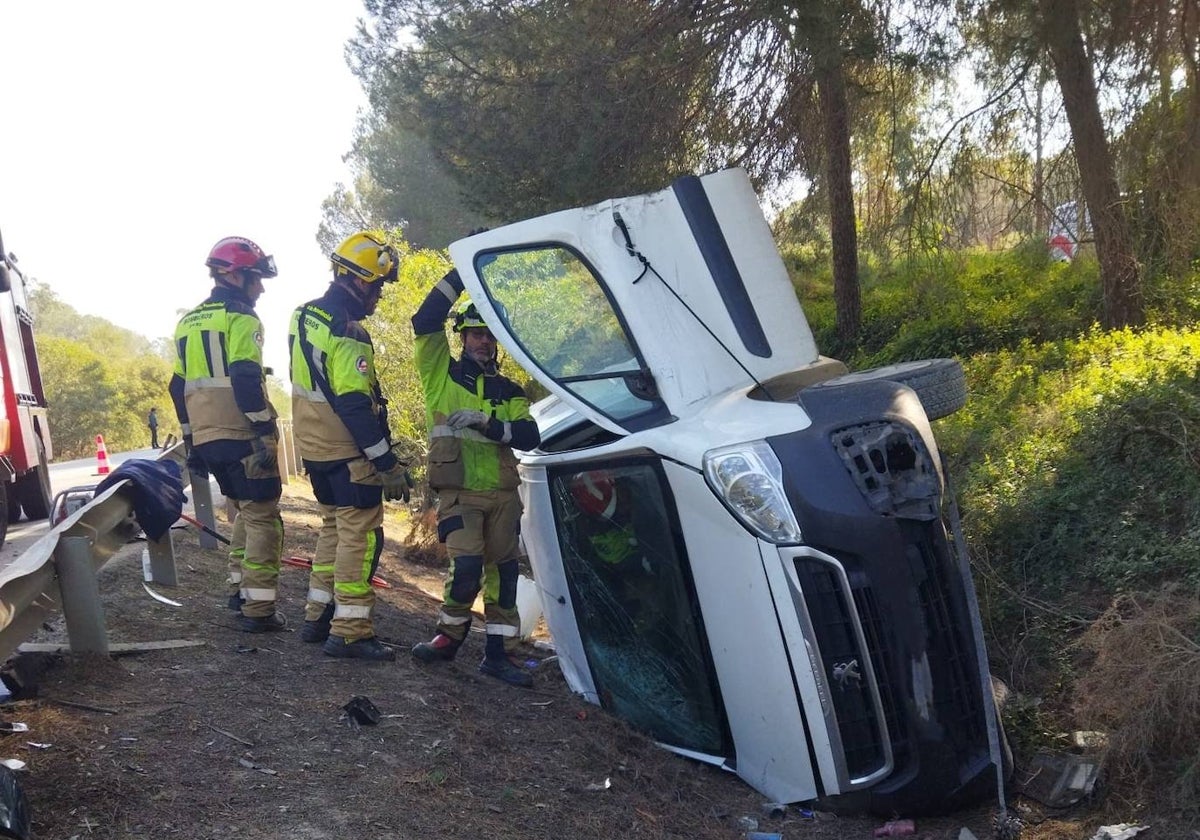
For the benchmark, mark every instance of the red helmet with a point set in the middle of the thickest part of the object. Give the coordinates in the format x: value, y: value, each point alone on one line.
x: 595, y: 493
x: 236, y: 253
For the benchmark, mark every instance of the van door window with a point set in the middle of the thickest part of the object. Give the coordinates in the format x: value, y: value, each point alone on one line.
x: 556, y: 308
x: 635, y: 607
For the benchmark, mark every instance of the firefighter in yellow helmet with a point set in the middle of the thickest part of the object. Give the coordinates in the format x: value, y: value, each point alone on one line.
x: 341, y: 427
x: 476, y: 418
x: 220, y: 395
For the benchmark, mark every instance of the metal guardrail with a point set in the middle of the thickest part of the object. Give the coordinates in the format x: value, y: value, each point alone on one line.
x: 59, y: 570
x: 289, y: 458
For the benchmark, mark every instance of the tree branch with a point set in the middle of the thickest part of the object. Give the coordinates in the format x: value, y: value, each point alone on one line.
x: 925, y: 173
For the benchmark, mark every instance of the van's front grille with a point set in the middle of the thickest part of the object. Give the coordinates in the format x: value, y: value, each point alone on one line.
x: 844, y: 663
x: 881, y: 654
x: 951, y: 658
x: 861, y: 723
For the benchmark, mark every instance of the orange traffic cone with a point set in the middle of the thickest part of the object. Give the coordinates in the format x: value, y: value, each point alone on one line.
x: 101, y: 456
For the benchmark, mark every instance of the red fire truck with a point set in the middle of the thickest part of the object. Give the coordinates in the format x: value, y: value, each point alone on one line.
x: 25, y: 449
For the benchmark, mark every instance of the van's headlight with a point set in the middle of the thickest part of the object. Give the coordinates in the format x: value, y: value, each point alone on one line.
x: 750, y: 480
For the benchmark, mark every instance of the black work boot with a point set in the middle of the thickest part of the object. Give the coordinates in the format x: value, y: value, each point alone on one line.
x: 497, y: 664
x: 262, y: 624
x: 368, y: 648
x: 440, y: 649
x: 235, y: 602
x: 317, y: 630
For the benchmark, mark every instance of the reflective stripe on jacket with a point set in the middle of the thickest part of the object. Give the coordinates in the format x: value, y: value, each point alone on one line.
x: 337, y: 345
x: 218, y: 387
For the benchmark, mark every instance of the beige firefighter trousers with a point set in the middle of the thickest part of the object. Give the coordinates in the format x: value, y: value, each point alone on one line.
x: 348, y: 548
x: 254, y: 551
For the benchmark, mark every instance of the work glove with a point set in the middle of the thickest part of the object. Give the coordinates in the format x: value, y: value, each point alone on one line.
x: 265, y: 457
x: 194, y: 463
x: 396, y: 484
x: 466, y: 418
x: 196, y: 466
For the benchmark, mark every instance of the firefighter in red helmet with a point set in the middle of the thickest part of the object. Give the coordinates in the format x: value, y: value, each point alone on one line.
x: 220, y: 395
x: 614, y: 542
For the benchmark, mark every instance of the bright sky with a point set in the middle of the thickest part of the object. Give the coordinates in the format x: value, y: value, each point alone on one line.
x: 135, y: 134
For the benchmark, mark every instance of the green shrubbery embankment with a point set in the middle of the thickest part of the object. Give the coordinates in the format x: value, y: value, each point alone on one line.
x: 1077, y: 465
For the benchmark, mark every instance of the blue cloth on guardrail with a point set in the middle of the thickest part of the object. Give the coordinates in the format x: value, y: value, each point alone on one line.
x: 157, y: 492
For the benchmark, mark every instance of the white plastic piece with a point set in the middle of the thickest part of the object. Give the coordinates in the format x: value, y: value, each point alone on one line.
x: 161, y: 598
x: 529, y: 605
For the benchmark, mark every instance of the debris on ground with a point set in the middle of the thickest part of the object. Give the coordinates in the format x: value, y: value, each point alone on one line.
x: 747, y: 824
x: 1059, y: 779
x: 362, y: 711
x: 1122, y: 831
x: 774, y: 810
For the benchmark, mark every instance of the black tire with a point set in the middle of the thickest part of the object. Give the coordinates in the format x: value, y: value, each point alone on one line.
x: 14, y: 511
x: 33, y: 488
x: 4, y: 488
x: 940, y: 383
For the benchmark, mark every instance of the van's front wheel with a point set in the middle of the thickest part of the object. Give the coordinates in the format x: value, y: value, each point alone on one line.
x: 5, y: 489
x: 33, y: 488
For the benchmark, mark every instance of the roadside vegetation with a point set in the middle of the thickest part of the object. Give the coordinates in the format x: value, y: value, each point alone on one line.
x: 1076, y: 464
x: 101, y: 379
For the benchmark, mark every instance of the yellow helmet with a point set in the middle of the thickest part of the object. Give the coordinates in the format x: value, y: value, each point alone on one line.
x: 367, y: 256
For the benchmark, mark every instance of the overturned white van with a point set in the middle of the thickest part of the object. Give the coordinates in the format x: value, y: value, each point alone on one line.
x: 742, y: 549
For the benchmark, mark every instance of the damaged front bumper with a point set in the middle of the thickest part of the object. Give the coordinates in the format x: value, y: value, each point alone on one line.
x: 882, y: 605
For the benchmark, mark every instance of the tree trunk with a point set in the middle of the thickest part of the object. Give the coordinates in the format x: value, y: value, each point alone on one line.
x: 1040, y: 221
x: 1114, y: 245
x: 831, y: 84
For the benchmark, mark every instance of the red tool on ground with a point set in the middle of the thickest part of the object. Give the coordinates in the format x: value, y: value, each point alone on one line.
x: 197, y: 523
x: 305, y: 563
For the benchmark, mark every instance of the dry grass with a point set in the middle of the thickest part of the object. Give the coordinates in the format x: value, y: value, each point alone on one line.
x: 1142, y: 686
x: 421, y: 545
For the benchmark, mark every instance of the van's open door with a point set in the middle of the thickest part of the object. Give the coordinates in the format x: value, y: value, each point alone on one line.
x: 636, y: 311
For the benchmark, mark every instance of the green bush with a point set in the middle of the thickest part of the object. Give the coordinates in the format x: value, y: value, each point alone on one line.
x: 959, y: 304
x: 1082, y: 458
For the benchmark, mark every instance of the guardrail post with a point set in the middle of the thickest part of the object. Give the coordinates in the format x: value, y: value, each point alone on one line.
x: 162, y: 559
x: 281, y: 461
x: 80, y: 595
x: 202, y: 503
x: 289, y: 461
